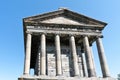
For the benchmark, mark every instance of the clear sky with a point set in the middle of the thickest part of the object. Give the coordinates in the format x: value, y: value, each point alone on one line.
x: 11, y: 30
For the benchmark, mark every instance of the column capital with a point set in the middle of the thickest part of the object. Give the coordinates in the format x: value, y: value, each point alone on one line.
x: 101, y: 36
x: 57, y: 34
x: 43, y: 33
x: 72, y: 35
x: 85, y: 36
x: 29, y: 32
x: 97, y: 36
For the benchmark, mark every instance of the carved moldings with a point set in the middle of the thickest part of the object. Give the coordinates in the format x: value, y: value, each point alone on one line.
x: 60, y: 16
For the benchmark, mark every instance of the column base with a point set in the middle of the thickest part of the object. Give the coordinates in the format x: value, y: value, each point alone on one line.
x: 62, y: 78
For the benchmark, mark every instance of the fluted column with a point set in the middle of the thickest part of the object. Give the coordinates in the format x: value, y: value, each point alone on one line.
x: 27, y: 55
x: 90, y: 66
x: 43, y: 55
x: 58, y: 55
x: 74, y: 54
x: 102, y: 58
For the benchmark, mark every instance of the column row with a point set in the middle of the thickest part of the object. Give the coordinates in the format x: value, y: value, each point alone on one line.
x: 89, y: 60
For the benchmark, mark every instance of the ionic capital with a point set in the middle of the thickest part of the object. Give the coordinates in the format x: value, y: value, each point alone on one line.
x: 29, y: 32
x: 57, y: 33
x: 100, y: 36
x: 72, y: 35
x: 42, y: 33
x: 85, y: 36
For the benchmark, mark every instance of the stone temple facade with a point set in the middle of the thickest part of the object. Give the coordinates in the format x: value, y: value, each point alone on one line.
x: 58, y: 46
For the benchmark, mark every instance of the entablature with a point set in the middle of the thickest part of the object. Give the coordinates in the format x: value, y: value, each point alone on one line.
x: 64, y: 32
x: 68, y: 28
x: 65, y: 26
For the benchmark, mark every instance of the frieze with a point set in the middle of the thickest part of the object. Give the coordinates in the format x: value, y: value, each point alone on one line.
x: 65, y: 32
x: 66, y: 27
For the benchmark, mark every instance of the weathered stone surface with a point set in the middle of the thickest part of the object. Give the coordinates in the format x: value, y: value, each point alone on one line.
x: 62, y: 20
x: 63, y: 78
x: 51, y: 64
x: 57, y: 55
x: 66, y: 59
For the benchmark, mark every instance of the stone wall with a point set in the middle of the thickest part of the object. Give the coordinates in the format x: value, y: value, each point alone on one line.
x: 66, y: 59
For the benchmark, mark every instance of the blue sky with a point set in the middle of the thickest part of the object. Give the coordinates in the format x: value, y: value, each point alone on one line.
x: 11, y: 30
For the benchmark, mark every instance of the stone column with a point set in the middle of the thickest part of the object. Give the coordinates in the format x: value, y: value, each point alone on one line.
x: 102, y: 58
x: 43, y: 55
x: 58, y: 56
x: 92, y: 56
x: 27, y: 55
x: 90, y: 66
x: 74, y: 54
x: 84, y: 65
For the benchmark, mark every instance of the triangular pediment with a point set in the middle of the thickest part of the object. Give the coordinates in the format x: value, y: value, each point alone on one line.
x: 62, y: 20
x: 64, y: 16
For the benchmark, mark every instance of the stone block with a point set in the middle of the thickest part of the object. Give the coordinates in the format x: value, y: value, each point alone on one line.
x: 63, y: 78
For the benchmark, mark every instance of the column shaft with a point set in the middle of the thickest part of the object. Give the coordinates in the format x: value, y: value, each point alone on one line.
x: 84, y: 65
x: 102, y: 58
x: 27, y: 55
x: 74, y: 54
x: 90, y: 66
x: 43, y: 55
x: 58, y: 55
x: 92, y: 56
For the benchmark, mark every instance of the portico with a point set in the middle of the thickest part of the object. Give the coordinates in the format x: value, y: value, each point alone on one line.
x: 58, y: 44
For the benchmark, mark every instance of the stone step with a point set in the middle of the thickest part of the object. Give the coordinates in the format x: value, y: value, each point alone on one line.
x: 61, y: 78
